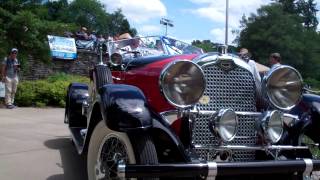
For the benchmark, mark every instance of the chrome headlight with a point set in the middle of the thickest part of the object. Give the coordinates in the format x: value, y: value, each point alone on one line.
x: 182, y: 83
x: 272, y: 126
x: 284, y: 87
x: 225, y: 124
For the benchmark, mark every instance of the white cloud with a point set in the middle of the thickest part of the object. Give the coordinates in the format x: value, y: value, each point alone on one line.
x: 150, y: 29
x: 138, y: 11
x: 215, y: 10
x: 218, y: 35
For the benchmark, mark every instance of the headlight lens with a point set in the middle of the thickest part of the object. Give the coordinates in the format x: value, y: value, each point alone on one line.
x: 225, y: 124
x: 182, y: 83
x: 274, y: 126
x: 284, y: 87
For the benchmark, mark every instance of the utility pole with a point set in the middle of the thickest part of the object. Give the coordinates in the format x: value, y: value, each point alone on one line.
x: 227, y: 17
x: 166, y: 22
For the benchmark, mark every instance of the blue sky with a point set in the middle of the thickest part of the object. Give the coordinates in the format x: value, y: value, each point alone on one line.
x: 193, y: 19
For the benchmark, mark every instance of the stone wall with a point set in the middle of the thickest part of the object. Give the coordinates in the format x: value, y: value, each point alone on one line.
x: 35, y: 69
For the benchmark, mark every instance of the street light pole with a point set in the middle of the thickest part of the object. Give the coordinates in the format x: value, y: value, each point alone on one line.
x: 227, y: 17
x: 167, y: 23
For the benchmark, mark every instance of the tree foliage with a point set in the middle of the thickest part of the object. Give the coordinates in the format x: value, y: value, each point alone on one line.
x: 287, y: 27
x: 25, y: 24
x: 205, y: 45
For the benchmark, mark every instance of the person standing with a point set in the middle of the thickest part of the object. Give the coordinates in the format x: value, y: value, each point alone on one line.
x: 245, y: 56
x: 275, y: 60
x: 9, y: 72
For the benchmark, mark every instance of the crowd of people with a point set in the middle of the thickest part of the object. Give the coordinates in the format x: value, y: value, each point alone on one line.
x: 83, y: 34
x: 274, y: 61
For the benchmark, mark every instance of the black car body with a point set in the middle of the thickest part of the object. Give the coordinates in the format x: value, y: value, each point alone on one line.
x: 171, y: 112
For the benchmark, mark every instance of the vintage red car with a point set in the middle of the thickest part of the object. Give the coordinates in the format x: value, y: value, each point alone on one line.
x: 161, y: 108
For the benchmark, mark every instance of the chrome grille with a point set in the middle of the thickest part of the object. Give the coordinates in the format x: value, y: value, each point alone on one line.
x: 233, y: 89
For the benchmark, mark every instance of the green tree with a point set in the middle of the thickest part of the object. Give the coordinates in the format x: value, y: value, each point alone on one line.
x: 273, y: 29
x: 57, y: 9
x: 26, y: 28
x: 25, y: 24
x: 119, y: 24
x: 93, y: 15
x: 308, y: 12
x: 89, y: 13
x: 205, y: 45
x: 305, y: 9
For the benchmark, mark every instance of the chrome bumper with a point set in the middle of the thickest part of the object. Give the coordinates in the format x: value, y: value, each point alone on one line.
x: 210, y: 170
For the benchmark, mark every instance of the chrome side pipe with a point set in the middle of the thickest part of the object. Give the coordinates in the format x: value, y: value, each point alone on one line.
x: 262, y: 148
x: 211, y: 170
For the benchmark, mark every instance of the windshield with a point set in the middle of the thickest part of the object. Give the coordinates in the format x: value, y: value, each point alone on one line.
x: 150, y: 46
x: 174, y: 46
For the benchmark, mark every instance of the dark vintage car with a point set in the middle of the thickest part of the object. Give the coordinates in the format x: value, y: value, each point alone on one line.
x: 160, y: 108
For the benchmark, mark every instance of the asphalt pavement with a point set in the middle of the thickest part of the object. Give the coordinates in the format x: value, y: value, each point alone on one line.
x: 36, y: 145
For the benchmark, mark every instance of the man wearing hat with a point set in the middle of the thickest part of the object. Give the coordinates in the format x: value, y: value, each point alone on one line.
x: 9, y: 75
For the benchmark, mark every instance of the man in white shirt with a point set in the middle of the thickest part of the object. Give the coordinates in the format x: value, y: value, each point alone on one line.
x: 275, y: 60
x: 245, y: 55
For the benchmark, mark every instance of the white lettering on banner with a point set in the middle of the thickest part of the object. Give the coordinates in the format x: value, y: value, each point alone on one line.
x: 62, y: 47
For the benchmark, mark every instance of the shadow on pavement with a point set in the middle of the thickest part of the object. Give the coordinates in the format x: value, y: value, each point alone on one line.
x: 73, y: 165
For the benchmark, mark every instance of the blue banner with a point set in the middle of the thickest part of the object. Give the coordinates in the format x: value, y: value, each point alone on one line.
x: 62, y: 47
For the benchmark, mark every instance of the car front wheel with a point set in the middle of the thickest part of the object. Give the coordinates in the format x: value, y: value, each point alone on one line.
x: 107, y: 148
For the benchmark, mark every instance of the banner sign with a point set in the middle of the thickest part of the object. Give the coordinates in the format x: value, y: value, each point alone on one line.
x: 62, y: 47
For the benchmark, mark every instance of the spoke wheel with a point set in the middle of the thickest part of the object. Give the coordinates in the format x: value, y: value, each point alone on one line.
x: 111, y: 152
x: 107, y: 148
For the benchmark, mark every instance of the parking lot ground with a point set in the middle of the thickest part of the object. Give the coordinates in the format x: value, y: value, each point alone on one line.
x: 36, y: 145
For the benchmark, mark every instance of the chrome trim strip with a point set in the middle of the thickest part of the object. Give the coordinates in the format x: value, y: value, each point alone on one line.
x: 212, y: 170
x: 121, y: 171
x: 309, y: 167
x: 209, y: 113
x: 239, y: 113
x: 239, y: 147
x: 213, y: 58
x: 166, y: 115
x: 291, y: 116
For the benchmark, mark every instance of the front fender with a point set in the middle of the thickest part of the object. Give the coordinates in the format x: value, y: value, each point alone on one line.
x: 309, y: 119
x: 76, y: 94
x: 124, y: 107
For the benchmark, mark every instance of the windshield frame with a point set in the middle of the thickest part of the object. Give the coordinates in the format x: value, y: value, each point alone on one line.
x: 168, y: 47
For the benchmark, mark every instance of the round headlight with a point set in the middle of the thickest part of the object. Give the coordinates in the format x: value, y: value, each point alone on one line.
x: 284, y: 87
x: 225, y: 124
x: 274, y: 126
x: 182, y: 83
